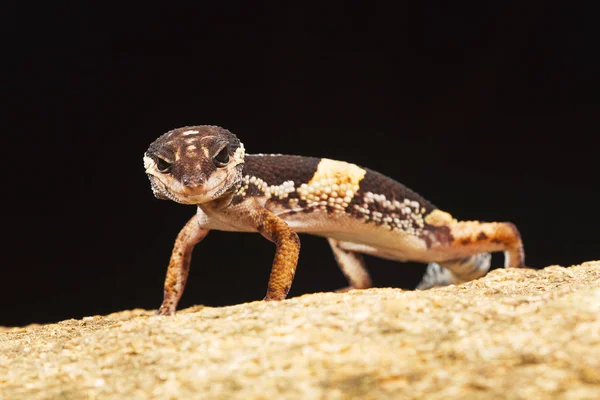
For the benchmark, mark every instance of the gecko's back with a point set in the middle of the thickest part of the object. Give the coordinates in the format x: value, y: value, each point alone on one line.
x: 343, y: 201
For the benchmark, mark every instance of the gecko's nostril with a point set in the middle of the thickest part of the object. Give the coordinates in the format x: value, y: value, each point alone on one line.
x: 193, y: 181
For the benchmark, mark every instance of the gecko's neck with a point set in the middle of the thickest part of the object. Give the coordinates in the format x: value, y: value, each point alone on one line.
x: 222, y: 202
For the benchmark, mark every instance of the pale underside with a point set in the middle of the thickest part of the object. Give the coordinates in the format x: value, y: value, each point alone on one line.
x: 353, y: 233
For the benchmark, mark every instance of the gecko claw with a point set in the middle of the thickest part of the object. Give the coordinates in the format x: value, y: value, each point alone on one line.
x: 165, y: 310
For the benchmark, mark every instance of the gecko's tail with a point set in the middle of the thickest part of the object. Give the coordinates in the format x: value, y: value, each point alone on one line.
x: 455, y: 271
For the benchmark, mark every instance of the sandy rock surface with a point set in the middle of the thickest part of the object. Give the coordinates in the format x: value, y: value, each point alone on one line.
x: 515, y: 334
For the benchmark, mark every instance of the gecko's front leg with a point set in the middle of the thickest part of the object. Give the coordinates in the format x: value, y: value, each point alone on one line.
x: 286, y: 255
x: 179, y: 265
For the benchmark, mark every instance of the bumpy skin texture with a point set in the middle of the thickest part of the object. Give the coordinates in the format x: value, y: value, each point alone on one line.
x: 286, y: 254
x: 359, y: 210
x: 179, y: 265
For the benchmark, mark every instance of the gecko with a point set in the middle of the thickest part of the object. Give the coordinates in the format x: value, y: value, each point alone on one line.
x: 358, y: 210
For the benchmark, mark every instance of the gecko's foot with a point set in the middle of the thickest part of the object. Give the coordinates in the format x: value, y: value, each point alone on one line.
x: 344, y: 289
x: 165, y: 310
x: 435, y: 276
x: 349, y: 288
x: 273, y: 298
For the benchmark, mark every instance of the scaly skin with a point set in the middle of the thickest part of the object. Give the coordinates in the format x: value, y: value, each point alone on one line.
x: 286, y: 254
x: 179, y: 265
x: 359, y: 210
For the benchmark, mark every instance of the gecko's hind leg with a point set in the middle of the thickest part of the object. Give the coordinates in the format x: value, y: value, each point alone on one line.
x: 352, y: 265
x: 454, y: 272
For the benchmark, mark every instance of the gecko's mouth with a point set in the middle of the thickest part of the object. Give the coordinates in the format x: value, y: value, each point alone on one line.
x: 197, y: 195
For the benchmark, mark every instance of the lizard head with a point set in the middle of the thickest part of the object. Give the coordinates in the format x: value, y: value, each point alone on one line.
x: 194, y: 164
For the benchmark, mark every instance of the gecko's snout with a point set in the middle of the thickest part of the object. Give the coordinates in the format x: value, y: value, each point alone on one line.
x: 193, y: 181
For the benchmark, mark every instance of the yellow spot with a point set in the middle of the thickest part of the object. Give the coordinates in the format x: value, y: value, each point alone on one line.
x: 339, y: 172
x: 439, y: 218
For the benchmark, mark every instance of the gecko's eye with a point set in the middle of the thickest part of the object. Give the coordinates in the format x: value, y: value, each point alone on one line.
x: 163, y: 166
x: 222, y: 158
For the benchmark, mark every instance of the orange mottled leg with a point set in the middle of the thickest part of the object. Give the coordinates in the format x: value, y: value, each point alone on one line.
x: 286, y: 254
x: 179, y: 265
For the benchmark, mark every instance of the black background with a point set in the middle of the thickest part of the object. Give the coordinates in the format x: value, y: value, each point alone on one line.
x: 487, y: 111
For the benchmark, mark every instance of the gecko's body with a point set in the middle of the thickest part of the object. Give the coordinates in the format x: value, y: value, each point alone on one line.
x: 357, y: 209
